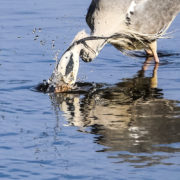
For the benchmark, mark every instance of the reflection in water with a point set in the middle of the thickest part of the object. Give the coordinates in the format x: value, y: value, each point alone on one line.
x: 131, y: 116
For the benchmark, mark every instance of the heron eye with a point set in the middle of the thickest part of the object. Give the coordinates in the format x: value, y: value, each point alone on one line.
x: 85, y: 56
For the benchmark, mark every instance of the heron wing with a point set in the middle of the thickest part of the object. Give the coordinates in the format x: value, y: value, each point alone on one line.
x: 142, y: 16
x: 152, y: 16
x: 106, y: 13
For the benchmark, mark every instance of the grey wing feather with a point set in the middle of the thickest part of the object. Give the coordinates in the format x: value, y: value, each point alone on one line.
x: 102, y: 11
x: 141, y: 16
x: 153, y: 17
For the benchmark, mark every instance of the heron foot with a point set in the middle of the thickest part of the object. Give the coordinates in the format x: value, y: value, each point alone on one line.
x: 149, y: 52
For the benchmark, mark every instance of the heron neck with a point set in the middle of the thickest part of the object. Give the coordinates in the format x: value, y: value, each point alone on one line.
x: 95, y: 45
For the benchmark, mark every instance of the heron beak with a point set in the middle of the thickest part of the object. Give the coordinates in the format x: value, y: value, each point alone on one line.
x: 65, y: 73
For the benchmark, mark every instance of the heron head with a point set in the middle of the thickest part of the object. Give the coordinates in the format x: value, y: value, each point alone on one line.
x: 87, y: 54
x: 65, y: 73
x: 90, y: 45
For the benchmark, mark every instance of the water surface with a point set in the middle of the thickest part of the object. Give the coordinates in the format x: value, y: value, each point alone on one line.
x: 125, y: 124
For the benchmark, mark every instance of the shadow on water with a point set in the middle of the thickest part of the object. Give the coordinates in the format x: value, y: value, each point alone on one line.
x: 130, y: 117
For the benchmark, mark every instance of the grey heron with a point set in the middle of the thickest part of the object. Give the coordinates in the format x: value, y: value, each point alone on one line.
x: 126, y: 24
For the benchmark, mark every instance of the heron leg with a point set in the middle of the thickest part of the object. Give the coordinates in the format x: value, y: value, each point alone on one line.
x: 154, y: 79
x: 147, y: 63
x: 153, y: 48
x: 149, y: 52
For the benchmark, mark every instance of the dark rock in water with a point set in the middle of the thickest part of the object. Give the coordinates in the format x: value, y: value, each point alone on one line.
x: 45, y: 87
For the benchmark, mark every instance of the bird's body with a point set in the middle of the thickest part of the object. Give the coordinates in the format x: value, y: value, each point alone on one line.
x: 147, y: 19
x: 142, y: 16
x: 126, y: 24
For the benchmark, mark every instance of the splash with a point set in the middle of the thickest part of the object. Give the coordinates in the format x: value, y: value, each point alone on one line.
x: 65, y: 72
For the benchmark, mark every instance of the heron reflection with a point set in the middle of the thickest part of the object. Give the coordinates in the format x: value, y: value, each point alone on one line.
x: 130, y: 116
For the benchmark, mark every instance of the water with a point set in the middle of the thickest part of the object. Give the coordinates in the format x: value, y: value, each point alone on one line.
x: 125, y: 123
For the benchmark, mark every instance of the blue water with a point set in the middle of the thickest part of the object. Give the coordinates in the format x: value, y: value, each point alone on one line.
x: 126, y: 126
